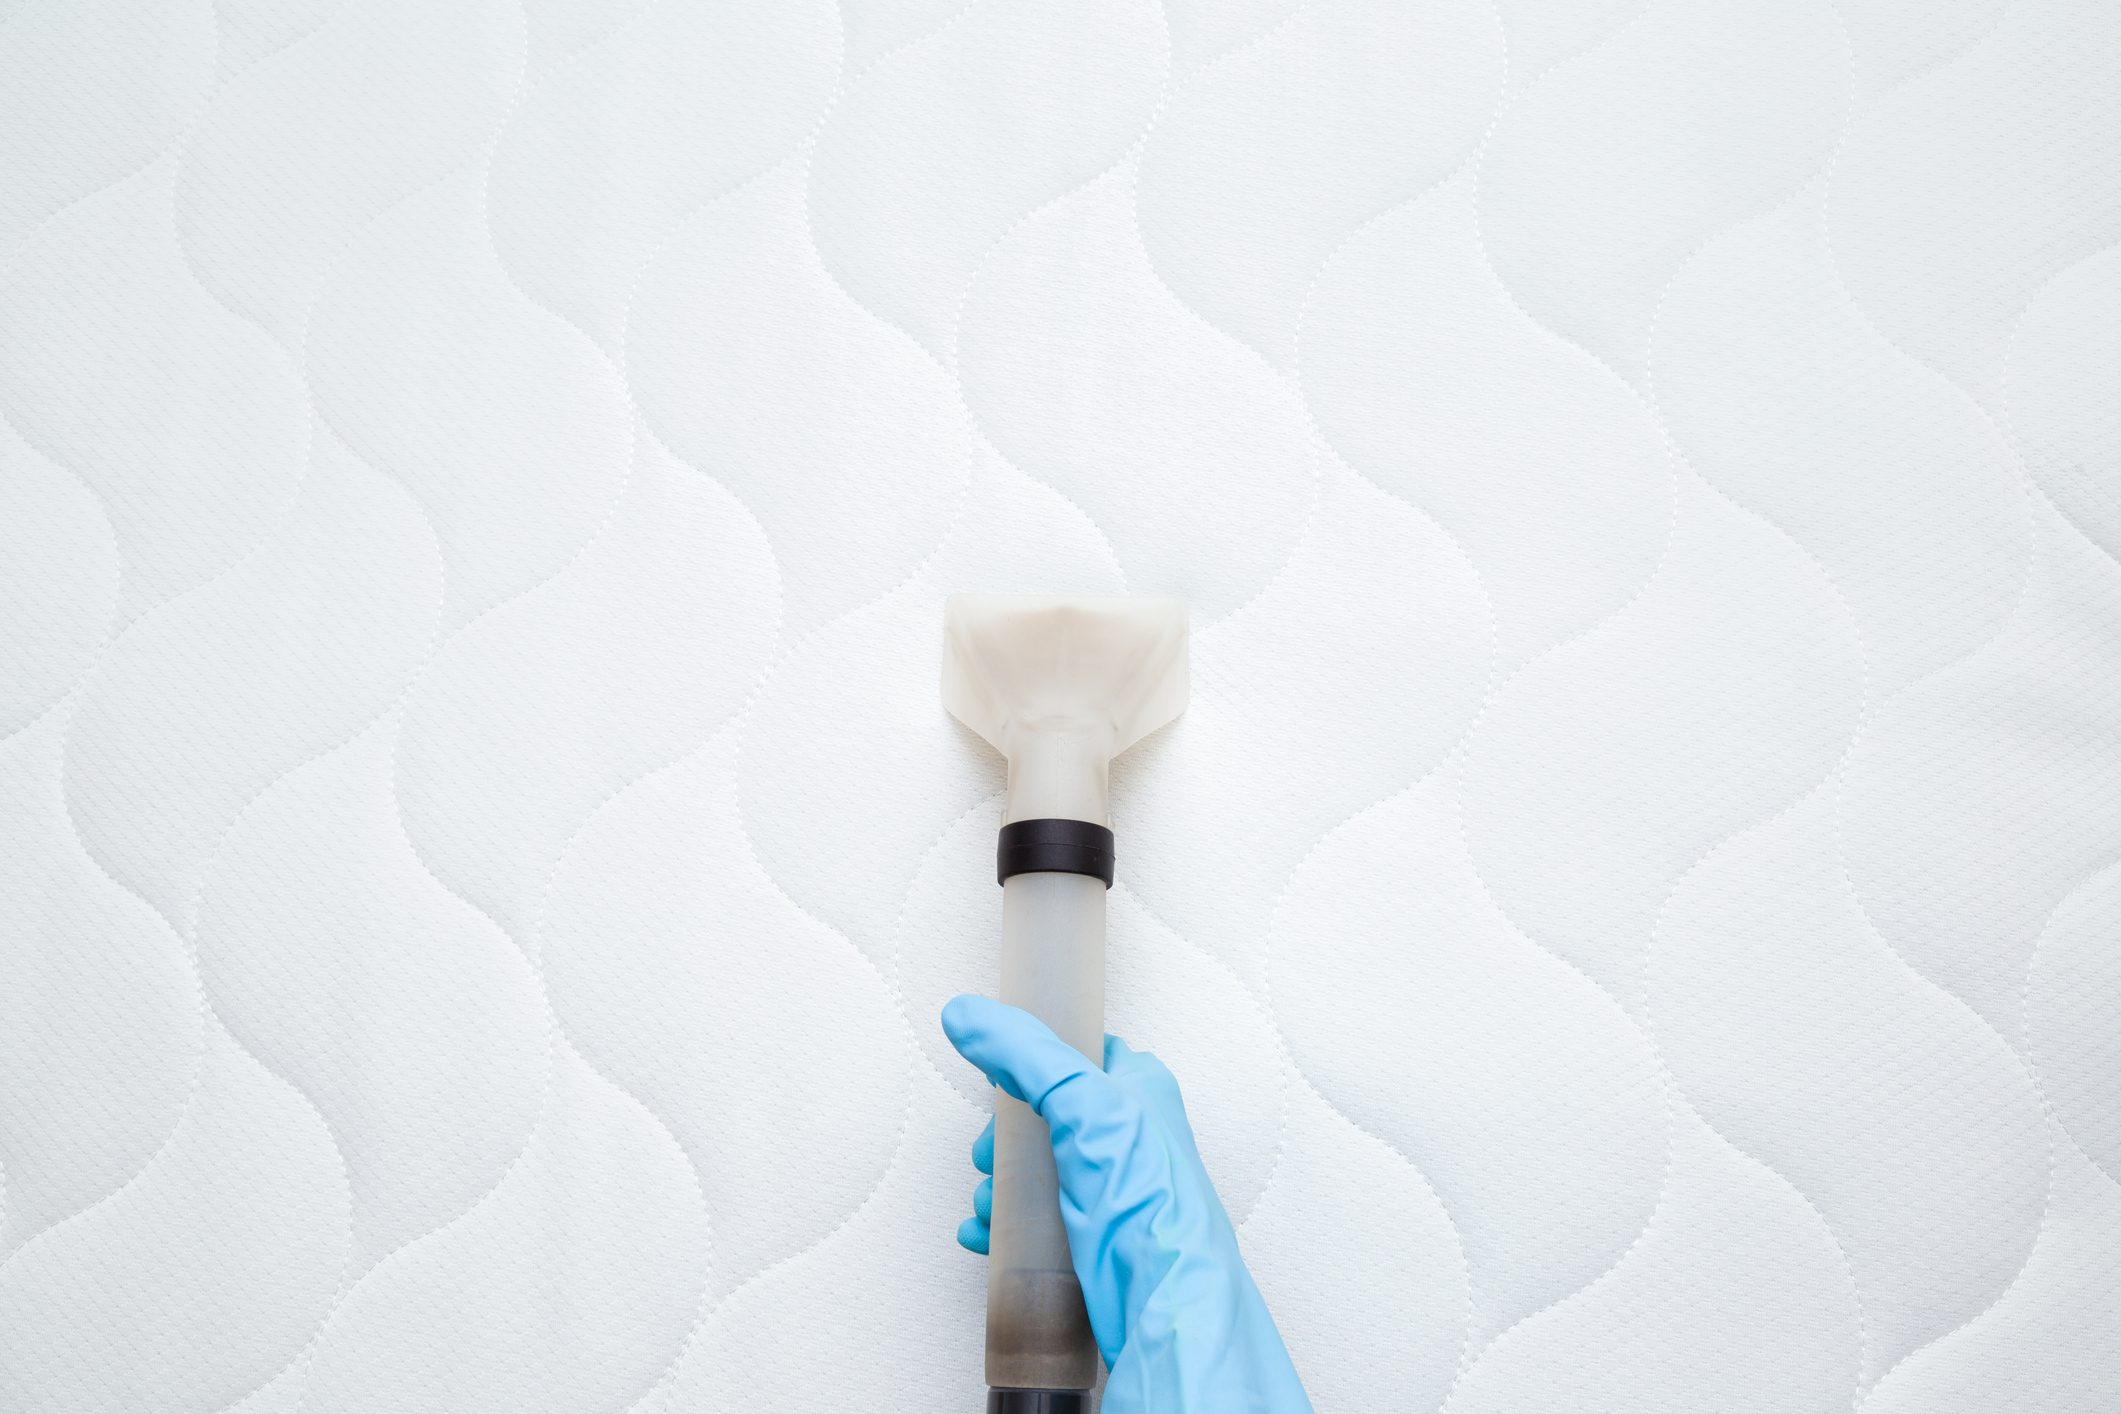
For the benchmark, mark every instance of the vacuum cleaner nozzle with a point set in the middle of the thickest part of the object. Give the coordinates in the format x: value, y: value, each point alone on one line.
x: 1061, y: 686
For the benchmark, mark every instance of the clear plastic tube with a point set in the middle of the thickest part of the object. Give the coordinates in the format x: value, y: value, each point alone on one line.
x: 1053, y: 965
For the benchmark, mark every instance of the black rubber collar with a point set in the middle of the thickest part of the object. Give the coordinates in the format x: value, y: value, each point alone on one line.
x: 1054, y: 847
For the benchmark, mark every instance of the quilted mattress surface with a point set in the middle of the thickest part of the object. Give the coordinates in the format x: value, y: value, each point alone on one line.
x: 1632, y: 901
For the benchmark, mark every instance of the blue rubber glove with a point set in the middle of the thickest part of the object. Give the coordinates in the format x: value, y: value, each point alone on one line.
x: 1182, y: 1328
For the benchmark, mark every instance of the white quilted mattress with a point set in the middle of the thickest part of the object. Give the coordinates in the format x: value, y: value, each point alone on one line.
x: 1633, y: 901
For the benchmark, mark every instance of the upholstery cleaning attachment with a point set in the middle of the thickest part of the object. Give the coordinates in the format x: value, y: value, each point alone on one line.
x: 1059, y: 687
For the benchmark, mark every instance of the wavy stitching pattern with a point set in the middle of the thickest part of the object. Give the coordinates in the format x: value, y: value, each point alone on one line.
x: 556, y: 1034
x: 113, y: 635
x: 1498, y: 681
x: 2032, y: 1050
x: 1292, y: 380
x: 2027, y: 489
x: 1668, y: 1083
x: 949, y: 368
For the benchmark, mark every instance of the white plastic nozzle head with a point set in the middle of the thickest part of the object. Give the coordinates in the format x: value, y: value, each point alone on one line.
x: 1060, y: 687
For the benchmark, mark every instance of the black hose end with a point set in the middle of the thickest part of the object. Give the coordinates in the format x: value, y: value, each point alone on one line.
x: 1038, y: 1401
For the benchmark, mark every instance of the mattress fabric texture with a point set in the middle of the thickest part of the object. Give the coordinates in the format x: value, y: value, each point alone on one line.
x: 1633, y: 900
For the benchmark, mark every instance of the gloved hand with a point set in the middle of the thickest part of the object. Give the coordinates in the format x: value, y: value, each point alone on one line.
x: 1182, y: 1328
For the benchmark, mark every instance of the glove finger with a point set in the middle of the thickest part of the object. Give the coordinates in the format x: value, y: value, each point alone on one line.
x: 972, y: 1235
x: 983, y: 1149
x: 1020, y: 1053
x: 983, y: 1201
